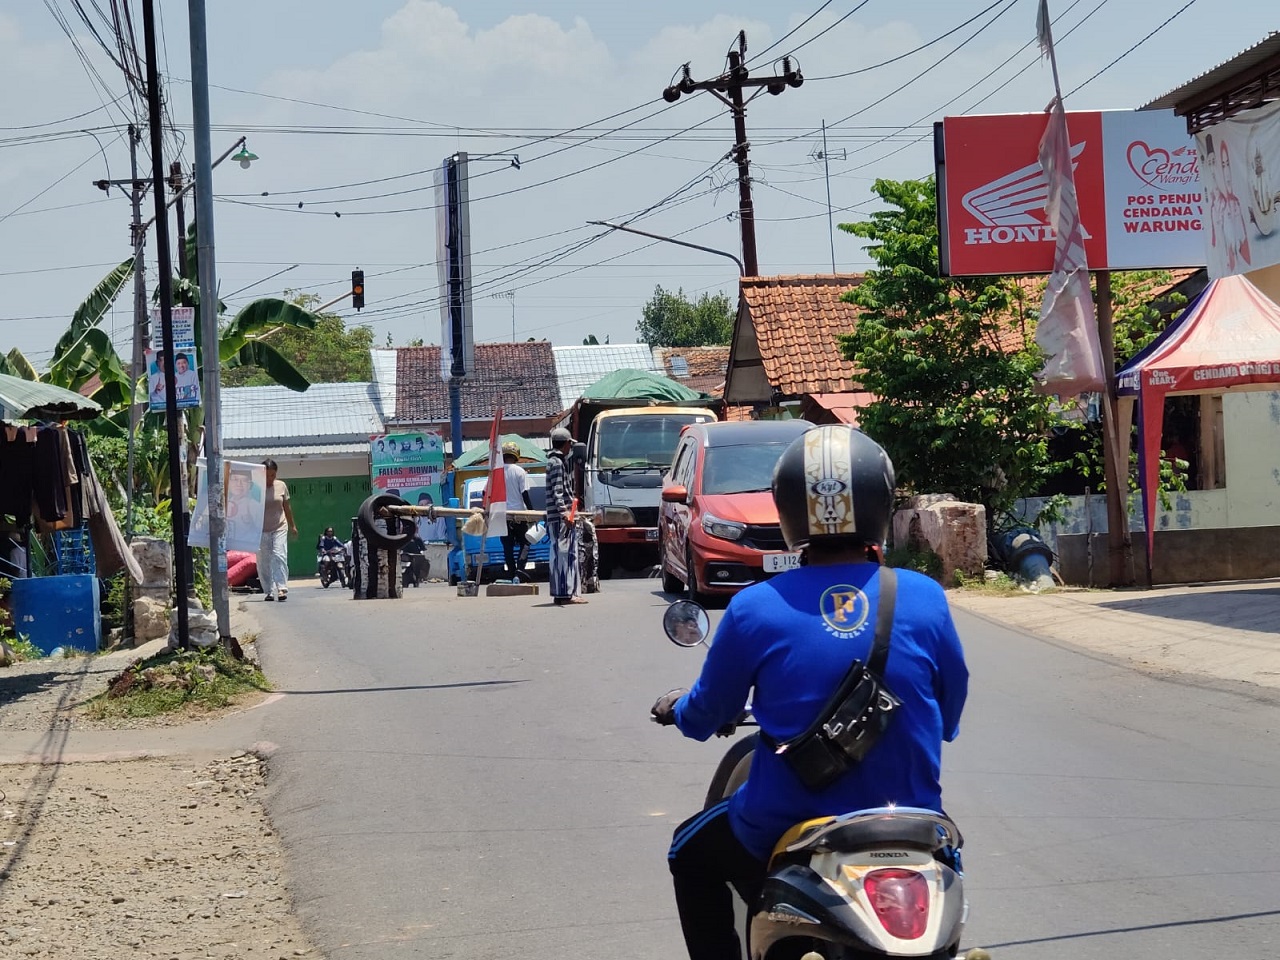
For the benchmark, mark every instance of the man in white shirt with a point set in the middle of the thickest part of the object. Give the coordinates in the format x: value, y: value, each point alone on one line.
x: 517, y: 499
x: 186, y: 380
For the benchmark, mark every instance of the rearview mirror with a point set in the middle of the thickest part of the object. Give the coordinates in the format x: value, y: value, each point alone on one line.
x: 686, y: 623
x: 675, y: 494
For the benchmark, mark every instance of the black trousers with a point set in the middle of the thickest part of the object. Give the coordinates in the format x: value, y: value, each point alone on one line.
x: 512, y: 543
x: 706, y: 859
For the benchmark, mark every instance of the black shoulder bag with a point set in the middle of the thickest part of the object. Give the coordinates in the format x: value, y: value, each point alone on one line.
x: 852, y: 721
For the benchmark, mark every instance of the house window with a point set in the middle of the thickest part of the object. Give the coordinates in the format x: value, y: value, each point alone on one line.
x: 1193, y: 433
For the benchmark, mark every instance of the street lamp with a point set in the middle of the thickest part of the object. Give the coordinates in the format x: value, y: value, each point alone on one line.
x: 244, y: 157
x: 742, y: 271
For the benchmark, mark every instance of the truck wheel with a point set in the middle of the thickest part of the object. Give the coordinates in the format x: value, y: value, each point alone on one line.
x: 368, y: 515
x: 670, y: 582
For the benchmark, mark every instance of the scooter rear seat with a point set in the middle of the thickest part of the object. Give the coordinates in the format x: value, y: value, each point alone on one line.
x: 882, y: 831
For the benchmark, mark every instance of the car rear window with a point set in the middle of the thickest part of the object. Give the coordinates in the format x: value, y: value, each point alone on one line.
x: 741, y: 469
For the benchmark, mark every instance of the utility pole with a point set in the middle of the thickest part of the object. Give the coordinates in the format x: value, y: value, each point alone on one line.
x: 209, y: 319
x: 137, y: 240
x: 728, y: 88
x: 825, y: 156
x: 176, y: 489
x: 180, y: 250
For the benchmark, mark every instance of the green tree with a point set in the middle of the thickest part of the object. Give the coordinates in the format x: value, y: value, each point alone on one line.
x: 673, y: 320
x: 956, y: 412
x: 328, y: 353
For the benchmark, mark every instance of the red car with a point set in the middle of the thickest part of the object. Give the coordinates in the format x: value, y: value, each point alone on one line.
x: 718, y: 528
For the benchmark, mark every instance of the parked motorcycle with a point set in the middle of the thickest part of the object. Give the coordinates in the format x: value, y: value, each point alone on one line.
x: 877, y: 883
x: 332, y: 565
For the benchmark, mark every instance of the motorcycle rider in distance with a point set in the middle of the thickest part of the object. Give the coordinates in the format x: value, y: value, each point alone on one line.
x: 330, y: 547
x: 787, y: 642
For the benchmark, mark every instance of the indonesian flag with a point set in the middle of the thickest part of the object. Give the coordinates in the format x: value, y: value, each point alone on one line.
x: 1068, y: 329
x: 495, y: 492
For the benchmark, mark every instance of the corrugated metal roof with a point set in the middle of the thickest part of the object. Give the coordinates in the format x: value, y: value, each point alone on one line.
x: 384, y: 378
x: 326, y: 413
x: 288, y: 450
x: 578, y: 367
x: 1241, y: 62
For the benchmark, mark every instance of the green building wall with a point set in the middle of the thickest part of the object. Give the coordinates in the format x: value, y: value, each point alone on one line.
x: 320, y: 502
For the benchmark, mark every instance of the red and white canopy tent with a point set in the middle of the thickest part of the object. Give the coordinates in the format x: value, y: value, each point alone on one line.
x: 1227, y: 340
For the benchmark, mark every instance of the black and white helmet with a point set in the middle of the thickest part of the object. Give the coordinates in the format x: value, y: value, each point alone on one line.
x: 834, y: 483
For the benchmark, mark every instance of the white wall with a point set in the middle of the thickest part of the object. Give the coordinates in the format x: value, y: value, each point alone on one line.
x: 307, y: 467
x: 1251, y: 498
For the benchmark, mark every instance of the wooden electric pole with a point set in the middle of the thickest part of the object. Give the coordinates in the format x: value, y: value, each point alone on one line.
x: 728, y: 88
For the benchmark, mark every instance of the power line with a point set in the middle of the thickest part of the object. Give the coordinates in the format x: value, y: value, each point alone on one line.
x: 84, y: 163
x: 902, y: 56
x: 790, y: 33
x: 1170, y: 20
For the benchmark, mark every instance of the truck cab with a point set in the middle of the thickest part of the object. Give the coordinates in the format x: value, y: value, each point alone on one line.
x: 628, y: 451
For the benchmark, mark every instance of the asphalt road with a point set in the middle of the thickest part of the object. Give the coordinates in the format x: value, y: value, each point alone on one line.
x: 477, y: 778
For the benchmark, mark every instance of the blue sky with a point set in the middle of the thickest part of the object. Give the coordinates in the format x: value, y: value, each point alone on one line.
x: 396, y: 85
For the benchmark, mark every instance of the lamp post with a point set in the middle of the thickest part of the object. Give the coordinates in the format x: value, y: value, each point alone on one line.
x: 680, y: 243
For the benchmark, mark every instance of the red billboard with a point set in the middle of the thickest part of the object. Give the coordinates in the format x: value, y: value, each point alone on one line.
x: 1136, y: 174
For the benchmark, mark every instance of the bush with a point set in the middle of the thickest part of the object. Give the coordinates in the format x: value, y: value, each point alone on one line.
x: 922, y: 561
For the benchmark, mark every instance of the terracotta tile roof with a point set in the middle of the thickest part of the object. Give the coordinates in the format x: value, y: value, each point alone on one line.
x: 797, y: 320
x: 738, y: 413
x: 698, y: 368
x: 521, y: 377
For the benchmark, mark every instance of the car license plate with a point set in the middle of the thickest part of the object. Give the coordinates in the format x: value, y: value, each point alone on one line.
x: 775, y: 562
x: 651, y: 534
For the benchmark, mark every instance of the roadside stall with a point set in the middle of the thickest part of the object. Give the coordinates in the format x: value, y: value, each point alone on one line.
x: 53, y: 506
x: 1227, y: 340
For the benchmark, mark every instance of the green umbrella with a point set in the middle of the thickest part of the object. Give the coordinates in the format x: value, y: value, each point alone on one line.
x: 31, y: 400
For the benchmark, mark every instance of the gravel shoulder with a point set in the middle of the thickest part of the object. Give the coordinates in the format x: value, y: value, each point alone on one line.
x: 161, y: 859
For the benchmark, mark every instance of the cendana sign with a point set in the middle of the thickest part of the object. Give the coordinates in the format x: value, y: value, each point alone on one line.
x: 1137, y: 177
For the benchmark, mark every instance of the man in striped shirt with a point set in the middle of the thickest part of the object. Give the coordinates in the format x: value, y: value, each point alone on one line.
x: 561, y: 528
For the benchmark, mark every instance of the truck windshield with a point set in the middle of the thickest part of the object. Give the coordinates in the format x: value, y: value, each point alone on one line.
x: 643, y: 442
x: 742, y: 468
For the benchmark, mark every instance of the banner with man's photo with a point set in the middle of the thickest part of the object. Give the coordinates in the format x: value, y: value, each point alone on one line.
x: 243, y: 494
x: 1240, y: 173
x: 411, y: 466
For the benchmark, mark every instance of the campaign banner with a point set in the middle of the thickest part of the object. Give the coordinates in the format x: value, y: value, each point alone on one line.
x: 1239, y: 158
x: 244, y: 502
x: 185, y: 373
x: 411, y: 466
x: 1137, y: 177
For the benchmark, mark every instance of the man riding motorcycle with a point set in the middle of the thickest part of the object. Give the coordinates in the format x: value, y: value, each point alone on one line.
x: 332, y: 551
x: 788, y: 642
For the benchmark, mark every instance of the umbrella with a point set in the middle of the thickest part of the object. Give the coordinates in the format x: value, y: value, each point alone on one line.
x: 32, y: 400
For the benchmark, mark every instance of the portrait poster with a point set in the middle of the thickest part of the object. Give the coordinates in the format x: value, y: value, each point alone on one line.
x: 244, y: 491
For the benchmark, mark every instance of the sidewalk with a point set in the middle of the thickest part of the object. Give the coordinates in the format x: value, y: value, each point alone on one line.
x: 38, y: 723
x: 1222, y: 631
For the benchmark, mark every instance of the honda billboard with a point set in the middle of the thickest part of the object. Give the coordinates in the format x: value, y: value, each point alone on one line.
x: 1137, y: 176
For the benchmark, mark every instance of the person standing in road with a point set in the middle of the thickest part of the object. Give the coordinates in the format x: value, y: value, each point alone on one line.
x: 277, y: 527
x: 517, y: 499
x: 560, y: 522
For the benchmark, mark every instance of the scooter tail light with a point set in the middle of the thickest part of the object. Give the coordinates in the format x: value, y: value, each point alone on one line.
x: 900, y: 899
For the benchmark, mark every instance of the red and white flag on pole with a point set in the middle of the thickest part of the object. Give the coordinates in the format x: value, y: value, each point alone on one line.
x: 1068, y: 328
x: 495, y: 491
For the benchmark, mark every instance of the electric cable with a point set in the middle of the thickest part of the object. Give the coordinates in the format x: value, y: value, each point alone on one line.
x: 84, y: 163
x: 790, y: 33
x: 1170, y: 20
x: 902, y: 56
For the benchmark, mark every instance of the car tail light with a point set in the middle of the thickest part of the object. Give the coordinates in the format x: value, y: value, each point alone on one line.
x: 900, y: 899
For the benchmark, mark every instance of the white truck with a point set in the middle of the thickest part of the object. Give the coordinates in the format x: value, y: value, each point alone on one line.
x: 628, y: 449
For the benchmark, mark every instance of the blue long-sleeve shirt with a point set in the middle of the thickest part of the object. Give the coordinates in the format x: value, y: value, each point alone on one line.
x: 788, y: 642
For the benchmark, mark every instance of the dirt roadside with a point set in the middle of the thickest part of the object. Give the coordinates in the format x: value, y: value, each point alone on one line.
x: 167, y: 858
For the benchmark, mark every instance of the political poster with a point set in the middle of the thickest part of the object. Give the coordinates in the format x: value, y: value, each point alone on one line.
x: 411, y: 466
x: 244, y: 497
x: 1137, y: 177
x: 1240, y: 158
x: 186, y: 375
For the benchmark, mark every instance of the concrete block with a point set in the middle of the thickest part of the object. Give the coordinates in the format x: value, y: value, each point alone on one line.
x: 955, y: 531
x: 511, y: 590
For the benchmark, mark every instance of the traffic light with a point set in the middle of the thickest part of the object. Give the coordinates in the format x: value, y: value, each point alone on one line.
x: 357, y: 289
